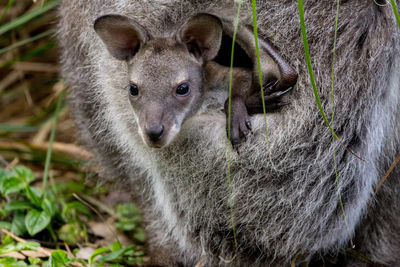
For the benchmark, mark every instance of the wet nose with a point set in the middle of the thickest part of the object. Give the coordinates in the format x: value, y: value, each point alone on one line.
x: 154, y: 131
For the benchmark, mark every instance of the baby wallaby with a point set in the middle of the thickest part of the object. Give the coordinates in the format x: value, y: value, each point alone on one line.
x: 169, y: 75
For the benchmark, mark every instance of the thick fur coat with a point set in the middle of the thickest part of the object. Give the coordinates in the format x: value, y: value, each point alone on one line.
x: 285, y: 199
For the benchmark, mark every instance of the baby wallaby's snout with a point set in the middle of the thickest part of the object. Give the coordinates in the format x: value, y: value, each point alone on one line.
x: 155, y: 128
x: 154, y: 131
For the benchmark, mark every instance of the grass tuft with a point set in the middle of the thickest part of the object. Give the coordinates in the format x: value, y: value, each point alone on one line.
x: 29, y: 16
x: 312, y: 79
x: 236, y: 24
x: 253, y: 5
x: 52, y: 135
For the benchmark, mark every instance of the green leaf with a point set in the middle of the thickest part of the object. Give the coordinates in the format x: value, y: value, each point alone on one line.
x: 34, y: 261
x: 139, y: 235
x: 5, y: 225
x: 11, y: 185
x: 72, y: 233
x: 116, y: 246
x: 96, y: 253
x: 19, y: 205
x: 114, y: 255
x: 4, y: 174
x: 49, y: 206
x: 59, y: 258
x: 75, y: 187
x: 28, y: 246
x: 3, y: 212
x: 13, y: 246
x: 36, y: 221
x: 127, y: 209
x: 18, y: 224
x: 10, y: 262
x: 24, y: 174
x: 34, y: 195
x: 5, y: 240
x: 8, y: 248
x: 70, y: 210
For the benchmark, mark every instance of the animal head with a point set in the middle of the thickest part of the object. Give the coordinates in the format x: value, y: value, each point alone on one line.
x: 165, y: 84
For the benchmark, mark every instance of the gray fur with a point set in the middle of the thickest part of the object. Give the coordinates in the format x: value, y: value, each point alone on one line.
x: 285, y: 200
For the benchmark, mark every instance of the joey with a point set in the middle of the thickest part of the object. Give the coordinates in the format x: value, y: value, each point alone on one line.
x: 169, y: 75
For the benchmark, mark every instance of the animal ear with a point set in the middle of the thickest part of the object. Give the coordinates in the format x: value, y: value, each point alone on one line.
x: 122, y: 36
x: 202, y: 35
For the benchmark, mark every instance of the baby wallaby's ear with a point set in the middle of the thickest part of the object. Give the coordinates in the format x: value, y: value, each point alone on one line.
x: 202, y: 35
x: 122, y: 35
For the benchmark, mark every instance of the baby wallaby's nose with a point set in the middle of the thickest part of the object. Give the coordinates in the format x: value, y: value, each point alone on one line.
x: 154, y: 131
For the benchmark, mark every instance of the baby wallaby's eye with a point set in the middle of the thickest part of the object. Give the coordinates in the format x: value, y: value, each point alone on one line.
x: 133, y: 89
x: 183, y: 89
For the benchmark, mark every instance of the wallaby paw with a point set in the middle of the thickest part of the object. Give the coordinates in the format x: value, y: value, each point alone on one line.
x: 240, y: 124
x: 272, y: 99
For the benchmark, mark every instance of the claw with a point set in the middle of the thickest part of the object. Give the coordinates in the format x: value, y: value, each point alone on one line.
x: 284, y: 92
x: 283, y: 103
x: 248, y: 124
x: 269, y: 84
x: 268, y: 88
x: 277, y: 94
x: 235, y: 146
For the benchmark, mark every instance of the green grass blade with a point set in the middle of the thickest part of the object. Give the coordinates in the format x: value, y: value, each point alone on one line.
x: 27, y: 17
x: 9, y: 4
x: 17, y: 128
x: 236, y: 24
x: 253, y: 5
x: 51, y: 141
x: 29, y: 54
x: 332, y: 122
x: 396, y: 13
x: 312, y: 79
x: 27, y: 41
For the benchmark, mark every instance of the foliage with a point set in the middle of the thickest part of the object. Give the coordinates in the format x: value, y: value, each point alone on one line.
x: 117, y: 255
x: 29, y: 210
x: 129, y: 219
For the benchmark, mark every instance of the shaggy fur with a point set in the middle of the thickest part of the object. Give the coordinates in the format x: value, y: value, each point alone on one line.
x: 285, y: 200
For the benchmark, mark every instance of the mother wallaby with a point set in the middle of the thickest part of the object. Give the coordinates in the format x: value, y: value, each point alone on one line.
x: 285, y: 200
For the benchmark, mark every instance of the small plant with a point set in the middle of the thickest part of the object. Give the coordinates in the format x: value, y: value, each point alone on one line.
x: 9, y: 245
x: 117, y: 255
x: 32, y: 209
x: 27, y: 210
x: 128, y: 220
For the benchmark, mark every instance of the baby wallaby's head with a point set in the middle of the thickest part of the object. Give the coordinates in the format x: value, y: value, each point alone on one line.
x: 165, y: 84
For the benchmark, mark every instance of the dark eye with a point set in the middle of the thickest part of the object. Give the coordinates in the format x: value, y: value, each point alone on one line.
x: 133, y: 89
x: 183, y: 89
